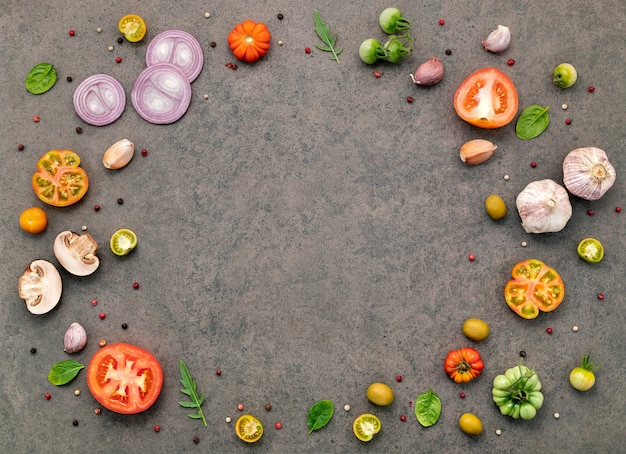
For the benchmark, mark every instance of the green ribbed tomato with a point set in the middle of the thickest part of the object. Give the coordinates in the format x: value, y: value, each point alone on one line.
x: 517, y: 393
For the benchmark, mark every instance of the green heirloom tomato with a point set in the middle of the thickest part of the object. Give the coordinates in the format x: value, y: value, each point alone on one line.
x: 564, y: 75
x: 517, y: 393
x: 582, y: 378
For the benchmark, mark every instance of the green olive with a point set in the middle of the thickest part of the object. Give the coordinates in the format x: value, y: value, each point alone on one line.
x: 495, y: 207
x: 475, y: 329
x: 564, y: 75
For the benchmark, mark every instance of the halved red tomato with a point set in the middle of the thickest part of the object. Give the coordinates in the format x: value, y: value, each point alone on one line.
x: 487, y: 99
x: 124, y: 378
x: 59, y: 181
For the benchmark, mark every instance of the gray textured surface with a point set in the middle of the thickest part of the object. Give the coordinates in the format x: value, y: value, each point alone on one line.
x: 306, y: 230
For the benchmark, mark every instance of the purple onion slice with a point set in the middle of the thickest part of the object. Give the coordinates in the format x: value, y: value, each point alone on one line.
x: 99, y: 100
x: 178, y: 48
x: 161, y: 94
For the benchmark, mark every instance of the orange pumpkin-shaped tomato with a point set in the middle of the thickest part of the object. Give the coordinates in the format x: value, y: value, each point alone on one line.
x: 463, y: 365
x: 249, y: 41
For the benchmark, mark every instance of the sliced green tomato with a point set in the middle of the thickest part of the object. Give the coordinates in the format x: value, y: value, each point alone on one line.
x: 123, y: 242
x: 366, y: 426
x: 590, y: 250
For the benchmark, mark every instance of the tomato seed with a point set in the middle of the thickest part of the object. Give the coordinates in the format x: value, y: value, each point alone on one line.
x: 511, y: 62
x: 20, y: 147
x: 442, y: 22
x: 549, y: 330
x: 591, y: 88
x: 75, y: 422
x: 600, y: 296
x: 279, y: 425
x: 618, y: 209
x: 403, y: 418
x: 79, y: 130
x: 280, y: 16
x: 157, y: 428
x: 307, y: 50
x: 590, y: 213
x: 462, y: 395
x: 33, y: 350
x: 268, y: 406
x: 118, y: 59
x: 144, y: 152
x: 196, y: 439
x: 409, y: 99
x: 448, y: 51
x: 398, y: 378
x: 533, y: 164
x: 568, y: 122
x: 72, y: 32
x: 136, y: 285
x: 48, y: 396
x: 124, y: 325
x: 376, y: 74
x: 36, y: 118
x: 240, y: 407
x: 471, y: 257
x: 102, y: 316
x: 96, y: 207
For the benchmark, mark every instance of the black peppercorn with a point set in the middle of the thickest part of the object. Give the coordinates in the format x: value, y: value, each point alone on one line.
x: 75, y: 422
x: 196, y: 439
x: 120, y: 201
x: 522, y: 354
x: 268, y: 406
x: 280, y: 16
x: 448, y: 51
x: 120, y: 40
x: 212, y: 44
x: 20, y: 147
x: 33, y: 350
x: 124, y: 326
x: 79, y: 130
x: 69, y: 78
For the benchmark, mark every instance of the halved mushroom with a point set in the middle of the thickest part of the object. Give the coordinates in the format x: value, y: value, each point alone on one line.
x: 40, y: 286
x: 76, y: 253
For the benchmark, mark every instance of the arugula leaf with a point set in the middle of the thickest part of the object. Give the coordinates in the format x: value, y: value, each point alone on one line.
x: 427, y: 408
x: 64, y: 372
x: 319, y: 415
x: 532, y: 121
x: 41, y: 78
x: 190, y: 390
x: 323, y: 31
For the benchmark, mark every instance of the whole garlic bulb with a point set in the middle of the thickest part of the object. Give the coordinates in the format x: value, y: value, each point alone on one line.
x: 498, y: 40
x: 587, y: 173
x: 544, y: 206
x: 75, y: 338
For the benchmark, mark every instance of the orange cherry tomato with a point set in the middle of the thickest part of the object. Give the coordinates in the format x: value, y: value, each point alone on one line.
x: 33, y: 220
x: 249, y: 40
x: 463, y: 365
x: 535, y: 287
x: 487, y: 99
x: 124, y: 378
x: 59, y: 181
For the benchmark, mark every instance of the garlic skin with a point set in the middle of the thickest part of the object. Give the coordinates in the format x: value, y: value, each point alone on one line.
x: 75, y: 338
x: 119, y: 154
x: 428, y: 73
x: 587, y: 173
x: 498, y: 40
x: 544, y: 206
x: 476, y: 151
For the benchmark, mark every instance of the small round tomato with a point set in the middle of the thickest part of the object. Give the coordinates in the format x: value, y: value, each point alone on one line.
x: 124, y: 378
x: 248, y: 428
x: 123, y: 242
x: 133, y: 27
x: 495, y: 207
x: 366, y: 426
x: 249, y: 40
x: 380, y: 394
x: 470, y: 424
x: 475, y: 329
x: 590, y: 250
x: 33, y: 220
x: 582, y: 377
x: 487, y: 98
x: 59, y: 181
x: 564, y: 75
x: 463, y: 365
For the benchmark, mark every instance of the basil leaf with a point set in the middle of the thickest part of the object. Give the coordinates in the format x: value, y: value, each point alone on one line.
x: 64, y: 372
x: 427, y: 408
x: 532, y: 121
x: 319, y: 415
x: 41, y: 78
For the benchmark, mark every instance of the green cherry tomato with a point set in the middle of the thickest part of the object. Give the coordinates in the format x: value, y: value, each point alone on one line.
x: 582, y: 377
x: 590, y: 250
x: 123, y: 242
x: 564, y: 75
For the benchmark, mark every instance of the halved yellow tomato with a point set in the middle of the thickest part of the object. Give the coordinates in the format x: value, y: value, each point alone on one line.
x: 59, y: 181
x: 366, y: 426
x: 133, y: 27
x: 248, y: 428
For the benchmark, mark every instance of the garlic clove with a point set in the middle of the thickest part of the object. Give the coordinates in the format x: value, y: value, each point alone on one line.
x: 75, y: 338
x: 543, y: 206
x: 428, y: 73
x: 119, y: 154
x: 498, y: 40
x: 476, y: 151
x: 587, y: 173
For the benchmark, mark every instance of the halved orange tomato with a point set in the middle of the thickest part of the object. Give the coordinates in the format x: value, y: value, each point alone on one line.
x: 59, y: 181
x: 133, y: 27
x: 487, y: 98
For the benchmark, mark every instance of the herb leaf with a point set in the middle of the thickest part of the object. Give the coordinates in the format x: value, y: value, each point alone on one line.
x: 41, y: 78
x: 323, y: 31
x: 319, y: 415
x: 532, y: 121
x: 427, y: 408
x: 64, y: 372
x: 190, y: 390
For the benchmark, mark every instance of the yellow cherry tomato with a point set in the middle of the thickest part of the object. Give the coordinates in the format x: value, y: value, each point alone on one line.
x: 33, y: 220
x: 470, y: 424
x: 133, y: 27
x: 380, y: 394
x: 366, y: 426
x: 249, y: 429
x: 475, y: 329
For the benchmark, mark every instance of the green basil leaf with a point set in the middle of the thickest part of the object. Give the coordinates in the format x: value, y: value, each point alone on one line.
x: 320, y: 414
x: 41, y: 78
x: 427, y: 408
x: 532, y: 121
x: 64, y: 372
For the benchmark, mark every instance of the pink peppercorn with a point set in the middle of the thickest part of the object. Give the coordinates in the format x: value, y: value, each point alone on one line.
x: 279, y: 425
x: 48, y: 396
x: 376, y: 74
x: 136, y: 285
x: 462, y: 395
x: 144, y: 152
x: 218, y: 372
x: 240, y: 407
x: 591, y: 89
x: 72, y: 32
x: 118, y: 60
x: 94, y: 302
x: 618, y: 209
x: 511, y: 62
x: 398, y: 378
x: 36, y: 118
x: 600, y: 296
x: 442, y: 22
x: 549, y: 330
x: 157, y: 428
x: 533, y: 164
x: 471, y: 257
x: 590, y: 213
x: 403, y: 418
x: 102, y: 315
x: 409, y: 99
x: 307, y: 50
x: 568, y: 121
x: 96, y: 207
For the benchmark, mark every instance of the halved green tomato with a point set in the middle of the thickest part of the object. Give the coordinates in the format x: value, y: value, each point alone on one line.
x: 249, y: 429
x: 132, y: 27
x: 366, y: 426
x: 123, y: 242
x: 590, y: 250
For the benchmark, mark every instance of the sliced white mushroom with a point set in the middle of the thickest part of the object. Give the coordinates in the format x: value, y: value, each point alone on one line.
x: 40, y: 286
x: 76, y: 253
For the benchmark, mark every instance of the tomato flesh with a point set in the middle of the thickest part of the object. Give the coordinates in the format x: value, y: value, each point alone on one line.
x: 59, y: 181
x: 487, y: 98
x: 125, y: 378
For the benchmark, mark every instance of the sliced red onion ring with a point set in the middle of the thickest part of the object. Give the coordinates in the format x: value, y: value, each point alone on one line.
x: 99, y: 100
x: 161, y: 94
x: 178, y: 48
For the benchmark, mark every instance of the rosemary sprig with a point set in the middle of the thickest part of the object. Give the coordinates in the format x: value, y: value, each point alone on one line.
x: 190, y: 390
x: 323, y: 31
